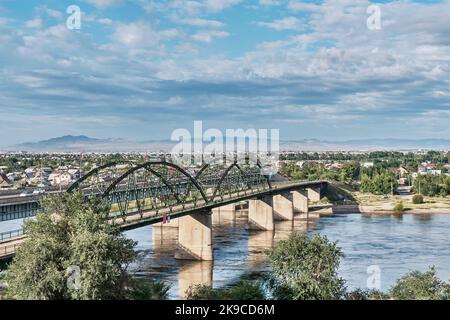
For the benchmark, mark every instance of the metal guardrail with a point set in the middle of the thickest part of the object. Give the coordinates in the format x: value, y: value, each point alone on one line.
x: 11, y: 234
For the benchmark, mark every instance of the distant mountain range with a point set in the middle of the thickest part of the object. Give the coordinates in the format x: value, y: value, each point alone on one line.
x: 83, y: 143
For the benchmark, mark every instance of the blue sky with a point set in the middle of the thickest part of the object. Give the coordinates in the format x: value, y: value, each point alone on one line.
x: 140, y: 69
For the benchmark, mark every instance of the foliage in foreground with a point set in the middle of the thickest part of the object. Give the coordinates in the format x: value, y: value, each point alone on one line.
x: 306, y: 269
x: 420, y: 286
x: 243, y: 290
x: 148, y: 290
x: 73, y: 235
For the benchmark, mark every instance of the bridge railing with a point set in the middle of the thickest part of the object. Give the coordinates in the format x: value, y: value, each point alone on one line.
x: 8, y: 250
x: 11, y: 234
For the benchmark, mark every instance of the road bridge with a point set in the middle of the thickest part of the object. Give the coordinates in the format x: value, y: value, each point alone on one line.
x: 155, y: 192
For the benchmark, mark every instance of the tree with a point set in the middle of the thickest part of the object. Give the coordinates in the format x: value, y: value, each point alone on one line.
x: 399, y: 207
x: 243, y: 290
x: 306, y: 269
x: 72, y: 235
x: 349, y: 172
x: 420, y: 286
x: 148, y: 290
x: 417, y: 199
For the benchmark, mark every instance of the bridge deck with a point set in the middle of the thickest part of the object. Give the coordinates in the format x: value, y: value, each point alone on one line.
x: 136, y: 219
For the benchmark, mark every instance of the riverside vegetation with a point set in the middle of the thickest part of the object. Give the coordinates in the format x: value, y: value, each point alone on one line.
x: 74, y: 232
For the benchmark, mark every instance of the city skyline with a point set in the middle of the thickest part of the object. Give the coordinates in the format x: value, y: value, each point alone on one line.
x: 140, y: 69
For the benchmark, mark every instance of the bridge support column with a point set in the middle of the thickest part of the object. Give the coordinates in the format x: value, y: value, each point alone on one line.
x: 300, y: 202
x: 195, y: 237
x: 314, y: 194
x: 227, y: 212
x: 282, y: 208
x: 260, y: 215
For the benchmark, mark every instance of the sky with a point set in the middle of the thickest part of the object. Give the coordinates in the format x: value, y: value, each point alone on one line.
x: 140, y: 69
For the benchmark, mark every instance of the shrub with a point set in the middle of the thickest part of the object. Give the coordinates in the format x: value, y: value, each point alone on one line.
x: 243, y: 290
x: 148, y: 290
x: 417, y: 199
x: 420, y: 286
x: 399, y: 207
x: 72, y: 232
x: 306, y: 269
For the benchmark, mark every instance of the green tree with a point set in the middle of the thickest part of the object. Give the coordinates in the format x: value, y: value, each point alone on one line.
x: 148, y: 290
x: 243, y: 290
x: 73, y: 232
x: 420, y: 286
x: 306, y: 269
x: 349, y: 172
x: 417, y: 199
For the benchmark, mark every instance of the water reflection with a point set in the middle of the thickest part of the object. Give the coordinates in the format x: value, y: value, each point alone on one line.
x: 193, y: 273
x: 396, y: 243
x: 238, y: 252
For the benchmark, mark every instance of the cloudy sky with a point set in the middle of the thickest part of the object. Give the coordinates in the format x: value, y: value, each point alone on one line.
x: 139, y: 69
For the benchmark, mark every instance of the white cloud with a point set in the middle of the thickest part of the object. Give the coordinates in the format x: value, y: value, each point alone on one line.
x: 34, y: 23
x: 136, y: 35
x: 104, y: 3
x: 209, y: 35
x: 198, y: 22
x: 289, y: 23
x: 269, y: 3
x: 302, y: 6
x: 219, y: 5
x: 104, y: 20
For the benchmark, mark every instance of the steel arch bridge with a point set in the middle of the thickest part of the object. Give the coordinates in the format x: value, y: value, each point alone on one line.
x: 157, y: 188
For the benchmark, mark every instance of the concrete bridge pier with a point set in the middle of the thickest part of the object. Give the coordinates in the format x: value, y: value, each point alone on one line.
x: 195, y: 237
x: 282, y: 207
x: 300, y: 202
x: 225, y: 213
x: 260, y: 214
x: 314, y: 194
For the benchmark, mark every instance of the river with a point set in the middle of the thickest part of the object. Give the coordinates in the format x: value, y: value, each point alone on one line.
x: 396, y: 244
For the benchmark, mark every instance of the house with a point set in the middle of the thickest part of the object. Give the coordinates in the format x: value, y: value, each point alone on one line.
x: 75, y: 173
x: 4, y: 181
x: 14, y: 176
x: 61, y: 178
x: 368, y: 164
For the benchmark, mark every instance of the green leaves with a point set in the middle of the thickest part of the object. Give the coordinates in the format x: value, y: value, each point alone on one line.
x: 420, y: 286
x: 72, y: 232
x: 306, y: 269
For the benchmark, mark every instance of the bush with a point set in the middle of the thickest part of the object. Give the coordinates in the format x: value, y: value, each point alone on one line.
x: 243, y: 290
x: 73, y: 232
x: 399, y: 207
x: 420, y: 286
x: 148, y: 290
x: 306, y: 269
x: 417, y: 199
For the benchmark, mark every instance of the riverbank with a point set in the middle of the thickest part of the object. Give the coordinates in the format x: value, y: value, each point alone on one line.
x: 388, y: 209
x: 342, y: 199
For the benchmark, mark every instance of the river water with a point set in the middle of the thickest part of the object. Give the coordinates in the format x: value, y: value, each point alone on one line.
x: 392, y: 244
x: 395, y: 244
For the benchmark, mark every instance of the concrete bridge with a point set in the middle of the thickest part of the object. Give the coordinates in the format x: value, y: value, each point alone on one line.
x: 162, y: 194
